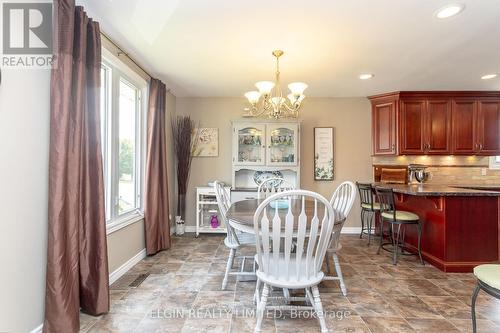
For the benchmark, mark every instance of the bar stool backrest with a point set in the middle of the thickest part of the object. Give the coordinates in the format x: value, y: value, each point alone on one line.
x: 365, y: 194
x: 385, y: 197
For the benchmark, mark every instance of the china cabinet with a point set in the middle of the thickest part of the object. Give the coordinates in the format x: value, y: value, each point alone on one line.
x: 264, y: 149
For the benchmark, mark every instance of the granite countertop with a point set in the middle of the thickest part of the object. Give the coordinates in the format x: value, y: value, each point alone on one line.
x: 443, y: 190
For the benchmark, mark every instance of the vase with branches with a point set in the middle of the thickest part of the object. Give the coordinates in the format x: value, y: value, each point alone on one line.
x: 184, y: 145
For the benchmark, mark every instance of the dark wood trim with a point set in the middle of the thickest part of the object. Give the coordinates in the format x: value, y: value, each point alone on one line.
x: 439, y: 94
x: 447, y: 266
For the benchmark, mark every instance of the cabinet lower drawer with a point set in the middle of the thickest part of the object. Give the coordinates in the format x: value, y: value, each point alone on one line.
x: 239, y: 196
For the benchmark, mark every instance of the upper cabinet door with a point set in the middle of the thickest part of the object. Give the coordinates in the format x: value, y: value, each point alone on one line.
x: 384, y: 127
x: 464, y: 128
x: 282, y: 144
x: 488, y: 127
x: 438, y: 127
x: 412, y: 127
x: 249, y: 145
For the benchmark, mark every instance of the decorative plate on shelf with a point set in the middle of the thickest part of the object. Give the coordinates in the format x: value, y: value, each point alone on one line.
x: 260, y: 176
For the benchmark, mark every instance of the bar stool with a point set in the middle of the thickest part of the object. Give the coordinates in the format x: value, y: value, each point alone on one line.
x: 399, y: 218
x: 488, y: 280
x: 369, y: 208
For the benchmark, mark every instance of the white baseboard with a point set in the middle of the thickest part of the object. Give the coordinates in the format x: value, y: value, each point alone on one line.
x: 39, y: 329
x: 118, y: 273
x: 351, y: 230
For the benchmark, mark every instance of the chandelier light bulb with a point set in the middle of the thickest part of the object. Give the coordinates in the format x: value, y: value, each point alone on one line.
x: 295, y: 100
x: 297, y: 88
x: 253, y: 96
x: 265, y: 87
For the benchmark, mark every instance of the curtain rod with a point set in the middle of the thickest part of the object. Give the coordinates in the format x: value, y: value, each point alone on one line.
x: 121, y: 52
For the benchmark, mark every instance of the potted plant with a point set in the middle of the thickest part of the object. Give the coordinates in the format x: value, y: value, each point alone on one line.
x: 182, y: 132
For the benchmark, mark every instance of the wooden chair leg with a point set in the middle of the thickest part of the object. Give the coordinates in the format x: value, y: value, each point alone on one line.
x: 256, y: 296
x: 261, y: 308
x: 473, y: 308
x: 339, y: 274
x: 228, y: 267
x: 318, y: 307
x: 327, y: 259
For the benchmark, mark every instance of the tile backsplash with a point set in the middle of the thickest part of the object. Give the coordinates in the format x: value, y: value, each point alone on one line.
x: 449, y: 169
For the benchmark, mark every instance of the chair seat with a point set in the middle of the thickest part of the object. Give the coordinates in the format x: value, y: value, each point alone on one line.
x: 401, y: 215
x: 489, y: 274
x: 376, y: 206
x: 279, y: 279
x: 245, y: 239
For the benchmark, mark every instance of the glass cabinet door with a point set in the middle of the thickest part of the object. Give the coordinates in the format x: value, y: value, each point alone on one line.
x: 249, y: 141
x: 282, y: 144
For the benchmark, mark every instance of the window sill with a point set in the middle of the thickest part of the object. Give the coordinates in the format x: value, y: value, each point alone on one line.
x: 123, y: 221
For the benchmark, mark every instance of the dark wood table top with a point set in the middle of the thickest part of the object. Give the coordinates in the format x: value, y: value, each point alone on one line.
x: 242, y: 212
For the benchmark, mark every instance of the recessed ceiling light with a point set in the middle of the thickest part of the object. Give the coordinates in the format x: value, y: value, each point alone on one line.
x: 488, y: 76
x: 449, y: 11
x: 366, y: 76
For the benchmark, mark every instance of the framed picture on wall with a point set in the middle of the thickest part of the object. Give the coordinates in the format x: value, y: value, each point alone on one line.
x: 323, y: 153
x: 207, y: 142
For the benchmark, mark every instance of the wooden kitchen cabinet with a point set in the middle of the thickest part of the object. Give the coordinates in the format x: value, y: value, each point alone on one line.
x: 464, y: 119
x: 436, y: 123
x: 488, y: 127
x: 438, y: 127
x: 425, y: 126
x: 412, y: 126
x: 384, y: 123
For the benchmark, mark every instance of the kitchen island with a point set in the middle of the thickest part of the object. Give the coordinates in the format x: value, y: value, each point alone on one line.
x: 460, y: 223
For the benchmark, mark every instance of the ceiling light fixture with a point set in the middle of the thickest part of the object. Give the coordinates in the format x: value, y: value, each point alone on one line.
x: 366, y: 76
x: 273, y: 104
x: 449, y: 11
x: 488, y: 76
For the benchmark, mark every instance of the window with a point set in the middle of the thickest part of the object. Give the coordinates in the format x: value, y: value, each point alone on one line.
x: 495, y: 162
x: 122, y: 111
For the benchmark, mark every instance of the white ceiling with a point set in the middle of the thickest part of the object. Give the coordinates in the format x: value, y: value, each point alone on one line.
x: 221, y: 47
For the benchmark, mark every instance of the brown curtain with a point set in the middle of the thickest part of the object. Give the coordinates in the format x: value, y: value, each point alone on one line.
x: 156, y: 222
x: 77, y: 267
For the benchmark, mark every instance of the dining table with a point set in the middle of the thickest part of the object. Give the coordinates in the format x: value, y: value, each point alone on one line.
x: 240, y: 214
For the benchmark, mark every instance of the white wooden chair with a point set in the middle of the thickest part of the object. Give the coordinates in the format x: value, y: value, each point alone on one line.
x: 342, y: 200
x: 234, y: 240
x: 277, y: 265
x: 266, y: 188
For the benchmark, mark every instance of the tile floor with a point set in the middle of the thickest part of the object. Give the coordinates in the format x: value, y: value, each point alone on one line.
x: 381, y: 297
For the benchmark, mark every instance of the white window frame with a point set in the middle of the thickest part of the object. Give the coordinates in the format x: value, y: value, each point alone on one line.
x: 120, y: 71
x: 495, y: 162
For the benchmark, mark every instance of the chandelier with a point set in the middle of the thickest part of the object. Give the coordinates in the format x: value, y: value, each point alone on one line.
x: 268, y: 101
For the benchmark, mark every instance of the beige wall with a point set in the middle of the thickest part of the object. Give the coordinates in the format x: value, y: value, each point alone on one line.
x: 349, y: 116
x: 124, y: 244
